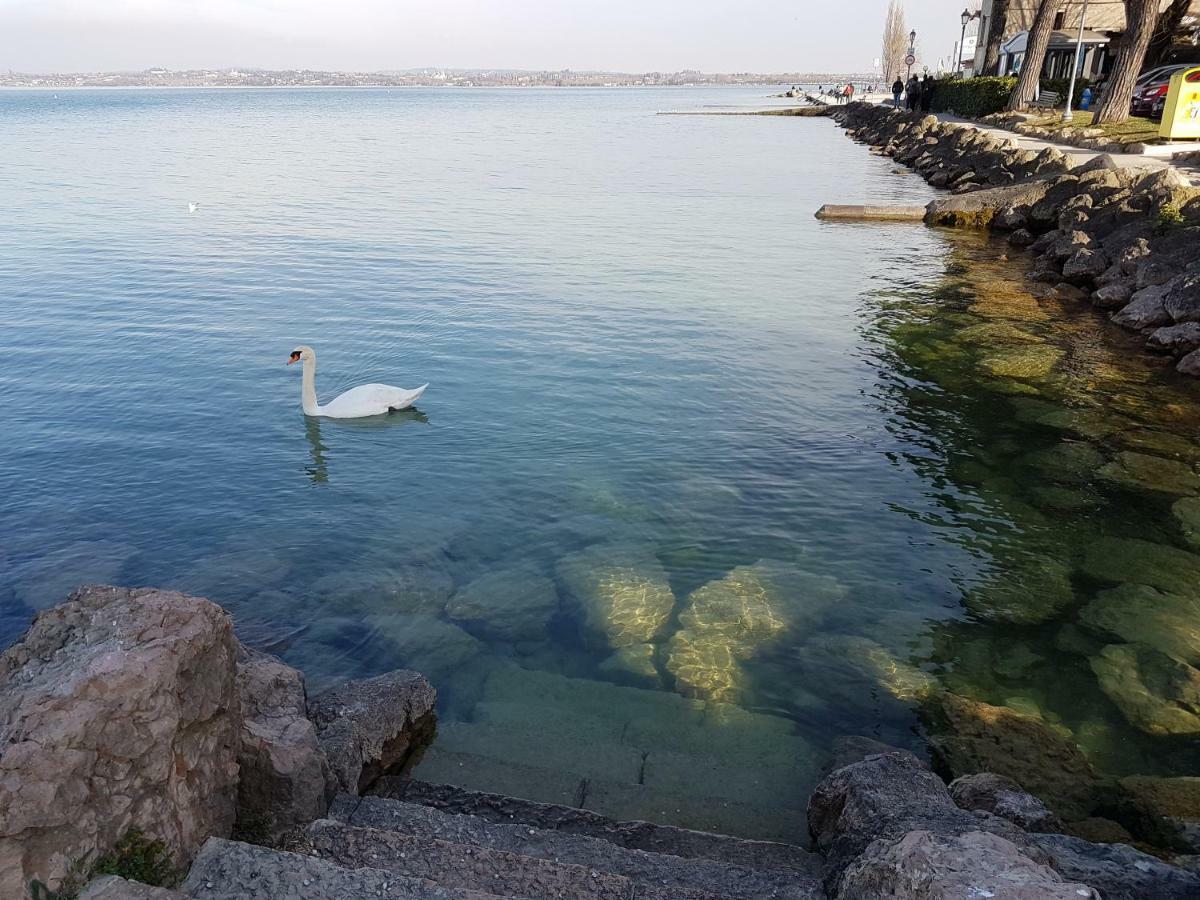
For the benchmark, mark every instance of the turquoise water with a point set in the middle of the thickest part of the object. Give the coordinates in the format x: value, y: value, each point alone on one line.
x: 651, y: 369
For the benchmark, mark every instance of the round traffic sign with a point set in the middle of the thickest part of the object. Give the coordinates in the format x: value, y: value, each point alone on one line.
x: 909, y: 60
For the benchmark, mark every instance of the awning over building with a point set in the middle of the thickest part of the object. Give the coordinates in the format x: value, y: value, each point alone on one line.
x: 1059, y: 40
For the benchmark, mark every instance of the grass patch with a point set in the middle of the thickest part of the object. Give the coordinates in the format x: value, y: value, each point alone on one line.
x: 1132, y: 130
x: 134, y: 858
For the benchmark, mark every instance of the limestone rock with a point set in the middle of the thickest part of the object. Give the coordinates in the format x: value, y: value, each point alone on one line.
x: 1156, y: 693
x: 1117, y: 871
x: 1141, y: 471
x: 369, y: 727
x: 1005, y: 798
x: 705, y: 666
x: 632, y: 664
x: 1145, y: 309
x: 118, y: 709
x: 1139, y: 614
x: 425, y: 643
x: 1183, y: 300
x: 970, y: 736
x: 1034, y: 361
x: 1084, y: 265
x: 1177, y: 339
x: 923, y: 865
x: 622, y: 590
x: 284, y: 780
x: 511, y: 604
x: 1113, y: 295
x: 1190, y: 364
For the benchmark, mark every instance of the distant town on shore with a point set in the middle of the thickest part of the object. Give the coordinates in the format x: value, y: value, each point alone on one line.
x: 428, y: 77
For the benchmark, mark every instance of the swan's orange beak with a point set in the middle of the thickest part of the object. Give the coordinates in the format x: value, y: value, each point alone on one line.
x: 295, y: 357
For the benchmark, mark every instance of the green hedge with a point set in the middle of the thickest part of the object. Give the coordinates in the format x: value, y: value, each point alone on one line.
x: 973, y: 96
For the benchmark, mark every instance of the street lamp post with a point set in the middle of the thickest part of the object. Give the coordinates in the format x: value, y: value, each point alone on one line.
x: 1067, y: 115
x: 967, y: 16
x: 912, y: 52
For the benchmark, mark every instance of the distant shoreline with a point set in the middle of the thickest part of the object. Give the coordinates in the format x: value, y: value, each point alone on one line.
x: 379, y: 87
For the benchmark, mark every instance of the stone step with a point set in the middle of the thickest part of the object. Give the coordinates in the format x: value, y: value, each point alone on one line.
x: 616, y: 799
x: 468, y: 867
x: 745, y: 780
x: 644, y: 868
x: 636, y: 835
x: 231, y: 870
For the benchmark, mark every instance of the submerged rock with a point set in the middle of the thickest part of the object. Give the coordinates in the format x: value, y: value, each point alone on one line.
x: 1152, y: 473
x: 1069, y: 462
x: 1140, y: 614
x: 425, y: 643
x: 1033, y: 361
x: 1173, y: 802
x: 705, y: 666
x: 1142, y: 562
x: 1033, y: 590
x: 512, y: 604
x: 622, y: 591
x: 408, y: 589
x: 48, y: 579
x: 633, y: 664
x: 1187, y: 512
x: 1156, y: 693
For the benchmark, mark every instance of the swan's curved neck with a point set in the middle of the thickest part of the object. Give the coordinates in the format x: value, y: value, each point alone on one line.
x: 308, y: 388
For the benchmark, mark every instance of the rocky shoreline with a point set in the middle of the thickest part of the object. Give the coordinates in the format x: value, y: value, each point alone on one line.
x: 136, y: 727
x: 1122, y: 241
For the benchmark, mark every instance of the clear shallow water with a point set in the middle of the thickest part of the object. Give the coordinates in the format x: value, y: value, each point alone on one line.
x: 651, y: 371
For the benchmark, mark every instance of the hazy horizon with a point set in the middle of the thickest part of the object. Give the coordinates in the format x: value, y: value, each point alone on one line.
x: 762, y: 36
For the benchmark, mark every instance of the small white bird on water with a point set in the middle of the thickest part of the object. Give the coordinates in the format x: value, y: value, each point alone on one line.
x: 193, y: 207
x: 356, y: 403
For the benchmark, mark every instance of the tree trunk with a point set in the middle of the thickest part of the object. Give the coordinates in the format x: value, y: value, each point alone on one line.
x: 1140, y: 19
x: 995, y: 37
x: 1165, y: 33
x: 1028, y: 84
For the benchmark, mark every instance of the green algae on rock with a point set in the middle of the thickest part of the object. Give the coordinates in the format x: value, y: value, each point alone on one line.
x: 1141, y: 471
x: 1070, y: 462
x: 511, y: 604
x: 1033, y: 590
x: 622, y: 591
x: 1030, y: 361
x: 1140, y: 614
x: 1156, y: 693
x: 1142, y: 562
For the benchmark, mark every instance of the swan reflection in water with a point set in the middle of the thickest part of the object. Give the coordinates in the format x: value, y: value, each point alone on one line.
x: 318, y: 469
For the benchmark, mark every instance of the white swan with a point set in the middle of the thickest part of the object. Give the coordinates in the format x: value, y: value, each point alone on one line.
x: 193, y: 207
x: 364, y: 400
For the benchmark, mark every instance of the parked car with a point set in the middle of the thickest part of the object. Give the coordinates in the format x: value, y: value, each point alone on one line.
x: 1150, y: 91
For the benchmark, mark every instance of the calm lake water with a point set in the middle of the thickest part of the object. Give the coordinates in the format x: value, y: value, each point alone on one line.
x: 781, y: 480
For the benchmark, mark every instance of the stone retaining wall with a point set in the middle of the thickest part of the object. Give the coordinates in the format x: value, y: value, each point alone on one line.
x: 1125, y: 241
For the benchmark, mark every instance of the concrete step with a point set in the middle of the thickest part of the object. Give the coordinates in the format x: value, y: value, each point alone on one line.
x: 636, y: 835
x: 645, y: 869
x: 468, y: 867
x: 616, y: 799
x: 231, y: 870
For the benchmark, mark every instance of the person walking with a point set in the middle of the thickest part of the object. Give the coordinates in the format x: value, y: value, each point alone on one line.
x: 848, y: 93
x: 928, y: 86
x: 912, y: 93
x: 897, y: 90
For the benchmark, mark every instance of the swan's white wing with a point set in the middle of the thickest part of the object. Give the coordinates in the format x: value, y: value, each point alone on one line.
x: 370, y: 400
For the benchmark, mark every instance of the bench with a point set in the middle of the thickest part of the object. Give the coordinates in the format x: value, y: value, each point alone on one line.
x: 1048, y: 99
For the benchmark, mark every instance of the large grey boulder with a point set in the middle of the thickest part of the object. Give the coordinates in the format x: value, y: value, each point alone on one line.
x: 1145, y: 309
x: 1183, y: 300
x: 978, y: 208
x: 922, y: 865
x: 118, y: 710
x: 114, y: 887
x: 371, y: 726
x: 1005, y: 798
x: 510, y: 604
x: 1178, y: 339
x: 1190, y: 364
x: 1118, y: 871
x: 284, y: 781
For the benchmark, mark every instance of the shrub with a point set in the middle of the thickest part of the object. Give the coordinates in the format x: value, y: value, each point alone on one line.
x: 1060, y: 85
x: 973, y: 97
x: 138, y: 858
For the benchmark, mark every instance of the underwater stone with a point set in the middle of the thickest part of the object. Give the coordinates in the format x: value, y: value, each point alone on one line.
x: 410, y: 589
x: 512, y: 604
x: 633, y: 664
x: 1035, y: 361
x: 1141, y: 470
x: 622, y: 591
x: 1187, y: 511
x: 705, y: 667
x: 989, y: 334
x: 1143, y: 562
x: 1033, y: 590
x: 424, y: 643
x: 46, y: 580
x: 1139, y: 614
x: 1071, y: 462
x: 1156, y: 693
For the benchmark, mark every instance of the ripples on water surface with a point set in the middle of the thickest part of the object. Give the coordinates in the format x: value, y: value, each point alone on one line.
x: 680, y: 435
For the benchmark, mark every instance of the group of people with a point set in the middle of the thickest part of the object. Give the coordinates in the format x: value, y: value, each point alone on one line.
x: 917, y: 94
x: 841, y: 93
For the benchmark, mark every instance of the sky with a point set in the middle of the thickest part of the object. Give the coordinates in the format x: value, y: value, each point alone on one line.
x: 370, y: 35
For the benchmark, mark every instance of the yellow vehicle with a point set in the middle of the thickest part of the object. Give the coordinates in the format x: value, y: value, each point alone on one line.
x: 1181, y: 114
